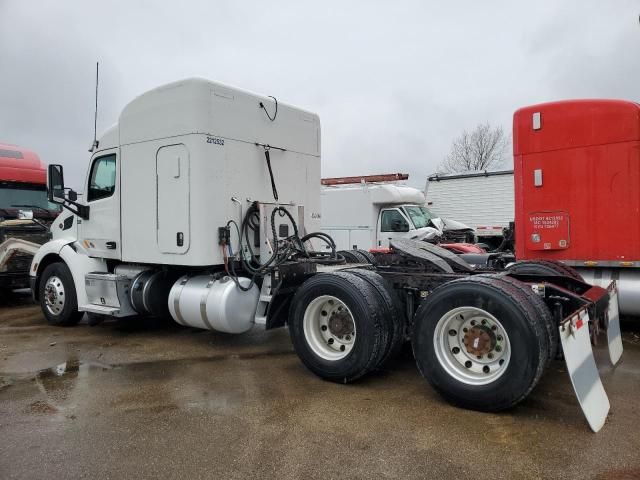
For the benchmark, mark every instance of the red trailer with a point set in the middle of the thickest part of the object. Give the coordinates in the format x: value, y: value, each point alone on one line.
x: 577, y: 190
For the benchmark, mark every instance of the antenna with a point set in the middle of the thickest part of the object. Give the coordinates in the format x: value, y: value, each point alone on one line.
x: 94, y: 145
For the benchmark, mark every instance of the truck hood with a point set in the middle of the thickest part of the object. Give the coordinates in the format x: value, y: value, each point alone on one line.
x: 454, y: 225
x: 425, y: 233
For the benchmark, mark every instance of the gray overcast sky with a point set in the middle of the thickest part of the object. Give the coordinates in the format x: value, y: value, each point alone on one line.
x: 393, y: 82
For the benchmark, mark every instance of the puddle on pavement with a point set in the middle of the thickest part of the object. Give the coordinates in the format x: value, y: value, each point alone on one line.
x: 65, y: 371
x: 77, y: 387
x: 56, y: 385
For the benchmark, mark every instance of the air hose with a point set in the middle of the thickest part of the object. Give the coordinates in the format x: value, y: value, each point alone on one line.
x: 286, y: 249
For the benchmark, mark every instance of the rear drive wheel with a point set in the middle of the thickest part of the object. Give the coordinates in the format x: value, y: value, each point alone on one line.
x: 479, y: 345
x: 545, y: 267
x: 58, y: 296
x: 368, y: 255
x: 337, y: 327
x: 524, y: 292
x: 353, y: 256
x: 392, y: 313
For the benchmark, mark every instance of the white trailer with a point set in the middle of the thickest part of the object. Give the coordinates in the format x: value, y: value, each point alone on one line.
x: 198, y: 205
x: 482, y: 200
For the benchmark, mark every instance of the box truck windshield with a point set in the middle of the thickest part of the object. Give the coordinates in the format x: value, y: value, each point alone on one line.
x: 420, y: 216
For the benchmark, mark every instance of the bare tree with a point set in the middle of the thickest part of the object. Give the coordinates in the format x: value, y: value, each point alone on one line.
x: 483, y: 148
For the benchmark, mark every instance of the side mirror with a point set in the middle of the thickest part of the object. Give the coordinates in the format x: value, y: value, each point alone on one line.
x: 55, y: 184
x: 55, y: 192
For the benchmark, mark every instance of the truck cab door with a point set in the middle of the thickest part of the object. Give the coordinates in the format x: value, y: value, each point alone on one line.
x: 391, y: 224
x: 100, y: 233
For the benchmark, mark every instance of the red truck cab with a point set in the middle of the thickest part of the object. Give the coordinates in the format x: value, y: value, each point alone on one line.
x: 21, y: 165
x: 25, y: 213
x: 577, y: 182
x: 23, y: 181
x: 577, y: 190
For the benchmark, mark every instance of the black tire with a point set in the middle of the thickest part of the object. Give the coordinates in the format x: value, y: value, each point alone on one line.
x: 69, y: 315
x: 526, y: 294
x: 353, y: 256
x: 349, y: 256
x: 368, y: 255
x: 367, y: 308
x: 528, y: 337
x: 545, y: 267
x: 394, y: 319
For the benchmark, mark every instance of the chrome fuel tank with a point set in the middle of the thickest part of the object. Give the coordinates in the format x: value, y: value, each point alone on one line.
x: 212, y: 303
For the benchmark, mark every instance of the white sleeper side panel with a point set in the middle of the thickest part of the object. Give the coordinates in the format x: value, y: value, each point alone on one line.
x: 217, y: 173
x: 191, y: 158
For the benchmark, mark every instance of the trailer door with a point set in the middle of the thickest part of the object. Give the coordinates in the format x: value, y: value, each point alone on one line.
x: 173, y: 202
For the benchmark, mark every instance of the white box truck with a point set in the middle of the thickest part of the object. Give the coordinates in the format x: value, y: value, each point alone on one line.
x: 198, y: 205
x: 367, y: 212
x: 482, y: 200
x: 368, y: 216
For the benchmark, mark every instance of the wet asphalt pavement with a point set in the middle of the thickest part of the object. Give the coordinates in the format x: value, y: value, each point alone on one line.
x: 145, y: 399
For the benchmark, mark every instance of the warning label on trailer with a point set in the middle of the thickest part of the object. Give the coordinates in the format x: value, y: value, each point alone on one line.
x: 547, y: 221
x: 548, y: 231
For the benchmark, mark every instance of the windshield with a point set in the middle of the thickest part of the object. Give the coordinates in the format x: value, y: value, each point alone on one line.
x: 24, y: 194
x: 420, y: 216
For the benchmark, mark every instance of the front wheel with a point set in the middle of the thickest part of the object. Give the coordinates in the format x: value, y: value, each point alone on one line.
x: 57, y: 295
x: 478, y: 345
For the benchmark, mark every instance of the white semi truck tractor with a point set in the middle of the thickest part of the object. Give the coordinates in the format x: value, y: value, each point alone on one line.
x: 201, y: 203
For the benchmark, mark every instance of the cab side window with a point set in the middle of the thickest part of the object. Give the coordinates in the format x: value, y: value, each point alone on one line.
x: 393, y: 221
x: 102, y: 179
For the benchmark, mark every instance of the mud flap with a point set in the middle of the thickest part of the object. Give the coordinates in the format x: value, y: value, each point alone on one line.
x: 576, y: 346
x: 614, y: 338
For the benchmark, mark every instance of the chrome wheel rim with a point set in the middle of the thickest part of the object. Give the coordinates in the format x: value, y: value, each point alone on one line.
x: 329, y: 328
x: 472, y: 345
x: 54, y: 295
